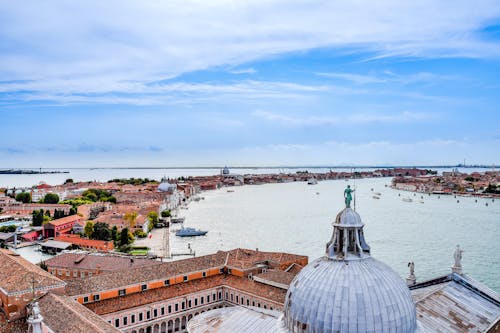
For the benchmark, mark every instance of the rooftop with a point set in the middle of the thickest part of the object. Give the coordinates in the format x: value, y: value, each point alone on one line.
x: 20, y: 275
x: 77, y: 318
x: 94, y: 262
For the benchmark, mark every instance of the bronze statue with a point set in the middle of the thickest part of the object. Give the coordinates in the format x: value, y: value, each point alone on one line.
x: 348, y: 196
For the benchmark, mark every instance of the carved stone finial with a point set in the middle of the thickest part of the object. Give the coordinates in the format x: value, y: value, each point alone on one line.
x: 457, y: 255
x: 411, y: 279
x: 35, y: 318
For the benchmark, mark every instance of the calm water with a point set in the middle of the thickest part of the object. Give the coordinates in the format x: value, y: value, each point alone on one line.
x: 291, y: 217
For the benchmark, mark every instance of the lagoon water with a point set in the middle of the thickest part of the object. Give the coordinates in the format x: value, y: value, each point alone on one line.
x: 292, y: 217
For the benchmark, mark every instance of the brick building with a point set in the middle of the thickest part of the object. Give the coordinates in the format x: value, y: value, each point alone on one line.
x: 163, y: 298
x: 61, y: 226
x: 68, y: 266
x: 20, y: 282
x: 86, y: 244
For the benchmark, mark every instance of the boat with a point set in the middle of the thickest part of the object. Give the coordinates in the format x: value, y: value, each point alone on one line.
x: 375, y: 197
x: 378, y: 193
x: 177, y: 220
x: 312, y: 181
x: 407, y: 200
x: 190, y: 232
x: 230, y: 191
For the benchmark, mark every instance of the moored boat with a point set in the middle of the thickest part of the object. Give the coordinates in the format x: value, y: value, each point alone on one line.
x: 190, y: 232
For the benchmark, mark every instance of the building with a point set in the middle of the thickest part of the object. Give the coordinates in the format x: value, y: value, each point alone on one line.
x: 163, y: 298
x: 68, y: 266
x: 86, y: 244
x: 61, y: 226
x: 20, y: 282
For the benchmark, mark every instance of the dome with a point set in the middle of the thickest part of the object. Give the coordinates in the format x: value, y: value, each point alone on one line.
x: 349, y: 296
x: 348, y: 218
x: 225, y: 171
x: 348, y: 291
x: 165, y: 186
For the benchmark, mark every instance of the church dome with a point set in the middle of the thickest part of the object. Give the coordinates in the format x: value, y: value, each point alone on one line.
x: 165, y: 186
x: 347, y: 290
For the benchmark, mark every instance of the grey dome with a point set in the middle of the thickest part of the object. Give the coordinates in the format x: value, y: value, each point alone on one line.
x: 362, y: 295
x: 165, y: 186
x: 348, y: 218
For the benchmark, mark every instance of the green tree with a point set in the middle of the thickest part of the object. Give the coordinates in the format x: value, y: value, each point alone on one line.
x: 88, y: 230
x: 124, y: 237
x: 37, y: 217
x: 51, y: 198
x: 166, y: 213
x: 101, y: 231
x: 114, y: 233
x: 24, y: 197
x: 153, y: 218
x: 68, y: 181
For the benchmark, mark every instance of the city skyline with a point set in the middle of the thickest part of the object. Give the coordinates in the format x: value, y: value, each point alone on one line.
x: 126, y: 84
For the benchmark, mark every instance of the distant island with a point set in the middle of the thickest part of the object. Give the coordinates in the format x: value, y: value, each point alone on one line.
x: 28, y: 172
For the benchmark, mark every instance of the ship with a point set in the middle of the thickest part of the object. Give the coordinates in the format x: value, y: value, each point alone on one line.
x: 190, y: 232
x: 312, y: 181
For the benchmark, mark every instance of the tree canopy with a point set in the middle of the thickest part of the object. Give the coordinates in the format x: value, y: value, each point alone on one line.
x: 51, y: 198
x: 24, y: 197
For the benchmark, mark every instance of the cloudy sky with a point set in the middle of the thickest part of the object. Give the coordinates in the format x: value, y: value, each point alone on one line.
x: 208, y: 83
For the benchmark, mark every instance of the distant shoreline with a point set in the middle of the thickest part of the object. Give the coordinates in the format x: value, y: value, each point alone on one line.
x: 28, y: 172
x: 475, y: 166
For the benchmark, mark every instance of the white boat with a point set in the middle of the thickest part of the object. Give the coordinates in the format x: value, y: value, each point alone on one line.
x: 378, y: 193
x: 312, y: 181
x: 407, y: 200
x: 375, y: 197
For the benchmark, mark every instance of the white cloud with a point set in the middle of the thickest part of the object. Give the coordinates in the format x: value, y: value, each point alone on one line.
x: 244, y: 71
x: 126, y: 43
x: 354, y: 118
x: 388, y: 76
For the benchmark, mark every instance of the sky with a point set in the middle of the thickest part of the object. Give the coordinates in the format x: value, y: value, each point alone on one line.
x: 248, y: 83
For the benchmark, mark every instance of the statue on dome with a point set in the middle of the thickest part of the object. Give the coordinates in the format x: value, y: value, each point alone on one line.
x: 348, y: 196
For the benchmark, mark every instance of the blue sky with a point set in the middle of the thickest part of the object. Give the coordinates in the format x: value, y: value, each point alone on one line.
x: 195, y: 83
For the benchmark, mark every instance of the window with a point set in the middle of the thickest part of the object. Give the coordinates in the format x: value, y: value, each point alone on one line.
x: 248, y: 302
x: 82, y: 274
x: 90, y: 274
x: 220, y: 295
x: 170, y: 309
x: 122, y: 292
x: 202, y: 300
x: 96, y: 297
x: 237, y: 299
x: 176, y: 307
x: 258, y: 305
x: 155, y: 313
x: 231, y: 297
x: 75, y: 273
x: 229, y: 271
x: 183, y: 305
x: 59, y: 272
x: 148, y: 315
x: 162, y: 311
x: 67, y: 273
x: 132, y: 319
x: 117, y: 322
x: 144, y: 287
x: 167, y: 282
x: 85, y: 299
x: 221, y: 270
x: 208, y: 298
x: 204, y: 274
x: 125, y: 320
x: 253, y: 303
x: 140, y: 316
x: 227, y: 295
x: 189, y: 303
x: 185, y: 278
